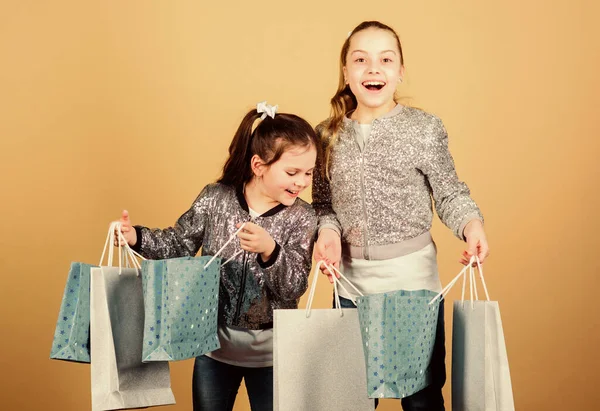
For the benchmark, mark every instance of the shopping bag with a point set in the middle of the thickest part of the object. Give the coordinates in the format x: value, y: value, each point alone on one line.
x: 317, y: 359
x: 181, y: 298
x: 72, y: 333
x: 398, y: 332
x: 119, y: 378
x: 480, y: 372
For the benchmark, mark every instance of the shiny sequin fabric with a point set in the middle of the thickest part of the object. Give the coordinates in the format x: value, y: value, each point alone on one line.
x: 381, y: 195
x: 249, y: 289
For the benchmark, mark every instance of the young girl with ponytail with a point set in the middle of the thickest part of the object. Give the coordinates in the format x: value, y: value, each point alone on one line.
x: 271, y: 161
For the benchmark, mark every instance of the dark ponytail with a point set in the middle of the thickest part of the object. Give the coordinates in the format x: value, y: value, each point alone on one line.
x: 269, y: 140
x: 237, y: 170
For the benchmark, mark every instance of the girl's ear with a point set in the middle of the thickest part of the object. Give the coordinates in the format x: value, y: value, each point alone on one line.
x: 257, y: 165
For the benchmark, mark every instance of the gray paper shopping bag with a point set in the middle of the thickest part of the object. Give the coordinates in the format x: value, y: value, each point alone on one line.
x: 318, y: 360
x: 480, y: 373
x: 119, y: 378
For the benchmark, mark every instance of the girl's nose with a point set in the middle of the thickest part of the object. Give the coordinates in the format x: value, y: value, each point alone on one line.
x: 373, y: 68
x: 305, y: 182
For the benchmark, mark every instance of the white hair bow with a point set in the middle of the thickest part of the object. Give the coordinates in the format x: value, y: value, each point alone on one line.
x: 266, y: 110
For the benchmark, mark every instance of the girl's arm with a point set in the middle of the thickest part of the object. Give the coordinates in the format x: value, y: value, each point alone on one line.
x: 451, y: 196
x: 183, y: 239
x: 321, y: 199
x: 328, y: 246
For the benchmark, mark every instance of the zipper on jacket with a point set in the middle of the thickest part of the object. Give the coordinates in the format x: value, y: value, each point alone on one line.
x: 364, y: 205
x: 238, y: 306
x: 362, y: 188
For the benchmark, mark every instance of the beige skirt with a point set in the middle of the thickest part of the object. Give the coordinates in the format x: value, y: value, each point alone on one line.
x: 414, y: 271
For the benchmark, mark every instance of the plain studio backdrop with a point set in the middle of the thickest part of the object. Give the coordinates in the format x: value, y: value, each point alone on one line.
x: 106, y: 105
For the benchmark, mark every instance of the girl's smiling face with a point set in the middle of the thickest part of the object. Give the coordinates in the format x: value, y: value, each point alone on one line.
x: 373, y: 68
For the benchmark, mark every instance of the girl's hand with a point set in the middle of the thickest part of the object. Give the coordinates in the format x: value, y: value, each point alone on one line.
x: 328, y: 248
x: 127, y: 230
x: 476, y: 242
x: 255, y: 239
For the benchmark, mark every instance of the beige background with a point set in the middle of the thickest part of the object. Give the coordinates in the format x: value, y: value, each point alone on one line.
x: 131, y: 104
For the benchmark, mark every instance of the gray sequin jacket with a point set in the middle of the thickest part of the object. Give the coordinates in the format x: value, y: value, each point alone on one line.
x: 249, y: 288
x: 378, y: 197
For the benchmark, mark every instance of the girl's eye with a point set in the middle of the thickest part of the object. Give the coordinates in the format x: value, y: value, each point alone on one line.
x: 310, y: 173
x: 360, y: 60
x: 291, y: 173
x: 387, y: 60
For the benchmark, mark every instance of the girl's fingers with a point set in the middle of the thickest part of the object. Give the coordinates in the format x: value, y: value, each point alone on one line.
x: 482, y: 258
x: 484, y: 252
x: 249, y: 227
x: 247, y: 245
x: 245, y: 236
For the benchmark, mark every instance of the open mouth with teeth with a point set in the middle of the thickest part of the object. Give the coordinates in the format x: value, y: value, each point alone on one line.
x: 373, y: 85
x: 292, y: 192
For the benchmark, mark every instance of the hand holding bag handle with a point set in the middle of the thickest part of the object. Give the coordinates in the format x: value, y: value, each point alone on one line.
x: 225, y: 245
x: 472, y: 286
x: 129, y: 256
x: 336, y: 283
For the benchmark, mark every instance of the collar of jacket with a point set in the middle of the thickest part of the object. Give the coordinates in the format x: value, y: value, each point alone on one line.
x: 239, y: 191
x: 354, y: 124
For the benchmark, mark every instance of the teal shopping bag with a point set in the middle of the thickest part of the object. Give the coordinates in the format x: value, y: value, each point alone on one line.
x: 398, y: 333
x: 181, y: 299
x: 72, y: 333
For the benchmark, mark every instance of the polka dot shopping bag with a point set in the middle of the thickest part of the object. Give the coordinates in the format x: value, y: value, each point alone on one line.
x: 181, y: 299
x: 398, y: 332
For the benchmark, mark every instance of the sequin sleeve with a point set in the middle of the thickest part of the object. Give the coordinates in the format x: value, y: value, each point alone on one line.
x: 184, y: 238
x: 287, y: 276
x: 451, y: 196
x: 321, y: 193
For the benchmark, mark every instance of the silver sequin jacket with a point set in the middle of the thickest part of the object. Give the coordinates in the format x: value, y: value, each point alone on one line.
x: 249, y: 289
x: 379, y: 197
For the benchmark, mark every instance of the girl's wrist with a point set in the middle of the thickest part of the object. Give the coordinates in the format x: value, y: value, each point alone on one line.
x: 266, y: 255
x: 472, y: 225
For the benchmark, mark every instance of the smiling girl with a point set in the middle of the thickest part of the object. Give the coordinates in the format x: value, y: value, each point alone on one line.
x: 271, y: 161
x: 383, y: 164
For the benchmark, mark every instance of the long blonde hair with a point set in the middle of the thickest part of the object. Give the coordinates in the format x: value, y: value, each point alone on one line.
x: 344, y: 101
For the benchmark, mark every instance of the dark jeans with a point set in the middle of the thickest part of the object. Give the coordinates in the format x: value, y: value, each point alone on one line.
x: 429, y: 398
x: 215, y: 385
